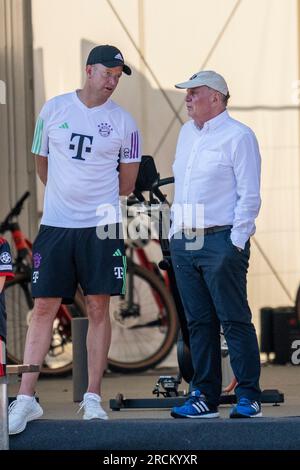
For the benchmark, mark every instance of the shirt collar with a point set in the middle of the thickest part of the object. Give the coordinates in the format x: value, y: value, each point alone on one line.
x: 216, y: 121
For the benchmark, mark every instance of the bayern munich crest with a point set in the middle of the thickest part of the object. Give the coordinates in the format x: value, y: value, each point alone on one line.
x: 105, y: 129
x: 37, y: 260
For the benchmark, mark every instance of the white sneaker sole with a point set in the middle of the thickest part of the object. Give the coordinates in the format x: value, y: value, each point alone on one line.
x: 208, y: 416
x: 241, y: 416
x: 95, y: 417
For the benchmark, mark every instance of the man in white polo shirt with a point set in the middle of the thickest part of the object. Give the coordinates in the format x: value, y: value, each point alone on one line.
x: 87, y: 154
x: 217, y: 167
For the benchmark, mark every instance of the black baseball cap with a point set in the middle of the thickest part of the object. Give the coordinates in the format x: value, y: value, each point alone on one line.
x: 109, y: 56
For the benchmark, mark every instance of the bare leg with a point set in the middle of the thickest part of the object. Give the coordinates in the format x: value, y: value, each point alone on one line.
x: 98, y: 339
x: 38, y: 339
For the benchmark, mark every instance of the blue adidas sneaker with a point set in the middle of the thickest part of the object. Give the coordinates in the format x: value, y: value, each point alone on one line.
x: 246, y: 408
x: 195, y: 407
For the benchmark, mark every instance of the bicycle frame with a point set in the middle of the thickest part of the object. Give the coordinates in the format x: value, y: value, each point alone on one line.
x: 146, y: 263
x: 150, y: 266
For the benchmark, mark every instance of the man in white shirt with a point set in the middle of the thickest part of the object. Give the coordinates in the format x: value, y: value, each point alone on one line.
x: 87, y: 154
x: 217, y: 198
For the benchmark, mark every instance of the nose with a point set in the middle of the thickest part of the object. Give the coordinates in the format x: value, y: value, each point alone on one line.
x: 114, y: 79
x: 188, y: 96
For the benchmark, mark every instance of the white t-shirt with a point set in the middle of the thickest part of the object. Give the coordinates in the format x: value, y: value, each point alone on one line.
x: 84, y: 146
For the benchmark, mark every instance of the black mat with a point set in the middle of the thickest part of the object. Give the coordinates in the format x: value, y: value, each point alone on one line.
x: 165, y: 434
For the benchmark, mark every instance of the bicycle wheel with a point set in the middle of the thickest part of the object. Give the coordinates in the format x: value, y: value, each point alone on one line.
x: 144, y: 328
x: 19, y: 305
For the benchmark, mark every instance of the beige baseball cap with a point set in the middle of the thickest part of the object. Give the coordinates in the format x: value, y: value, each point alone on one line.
x: 206, y: 77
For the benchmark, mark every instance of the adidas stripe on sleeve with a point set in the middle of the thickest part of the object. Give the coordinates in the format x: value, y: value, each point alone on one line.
x: 131, y: 149
x: 40, y: 137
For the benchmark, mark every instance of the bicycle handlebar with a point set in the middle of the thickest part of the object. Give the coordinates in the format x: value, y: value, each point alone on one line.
x: 19, y: 205
x: 138, y: 197
x: 163, y: 182
x: 14, y: 211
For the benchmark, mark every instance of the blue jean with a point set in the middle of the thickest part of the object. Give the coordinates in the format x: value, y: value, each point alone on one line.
x: 212, y: 282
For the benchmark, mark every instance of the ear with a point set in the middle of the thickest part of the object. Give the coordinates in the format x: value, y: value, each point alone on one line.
x: 215, y: 98
x: 89, y: 71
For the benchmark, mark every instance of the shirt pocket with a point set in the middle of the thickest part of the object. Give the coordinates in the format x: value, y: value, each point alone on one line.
x: 212, y: 163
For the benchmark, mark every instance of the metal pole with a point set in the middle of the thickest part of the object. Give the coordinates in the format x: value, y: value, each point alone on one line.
x: 4, y: 441
x: 80, y: 372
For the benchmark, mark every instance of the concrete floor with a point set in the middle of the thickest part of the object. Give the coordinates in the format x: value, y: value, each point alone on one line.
x: 56, y: 394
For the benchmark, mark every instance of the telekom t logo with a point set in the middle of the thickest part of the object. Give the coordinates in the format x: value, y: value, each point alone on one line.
x: 80, y: 143
x: 118, y: 271
x: 35, y: 276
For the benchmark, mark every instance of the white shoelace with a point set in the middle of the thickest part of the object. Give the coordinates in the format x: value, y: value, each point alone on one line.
x: 90, y: 403
x: 12, y: 406
x: 16, y: 403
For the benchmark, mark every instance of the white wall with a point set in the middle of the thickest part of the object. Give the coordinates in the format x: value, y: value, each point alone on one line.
x: 253, y: 43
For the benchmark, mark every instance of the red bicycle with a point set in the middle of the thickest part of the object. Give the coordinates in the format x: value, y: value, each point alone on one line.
x: 144, y: 321
x: 19, y: 304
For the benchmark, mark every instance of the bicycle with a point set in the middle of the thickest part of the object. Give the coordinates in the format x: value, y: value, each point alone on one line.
x: 19, y: 305
x: 147, y: 311
x: 144, y: 320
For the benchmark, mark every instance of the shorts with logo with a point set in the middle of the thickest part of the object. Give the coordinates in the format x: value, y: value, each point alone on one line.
x: 66, y: 257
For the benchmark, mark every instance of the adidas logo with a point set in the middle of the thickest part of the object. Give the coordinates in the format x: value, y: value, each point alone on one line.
x: 64, y: 126
x: 117, y: 253
x: 118, y: 56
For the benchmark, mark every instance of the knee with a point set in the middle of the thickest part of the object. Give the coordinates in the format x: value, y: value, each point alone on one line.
x: 238, y: 327
x: 97, y: 310
x: 195, y: 323
x: 45, y: 307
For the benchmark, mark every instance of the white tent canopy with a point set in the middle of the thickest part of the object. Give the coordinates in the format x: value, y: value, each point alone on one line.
x: 253, y: 43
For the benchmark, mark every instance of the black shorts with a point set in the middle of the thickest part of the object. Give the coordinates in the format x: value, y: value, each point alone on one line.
x: 66, y: 257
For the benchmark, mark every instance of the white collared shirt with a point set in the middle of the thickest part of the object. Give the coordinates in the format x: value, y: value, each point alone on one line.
x: 218, y: 168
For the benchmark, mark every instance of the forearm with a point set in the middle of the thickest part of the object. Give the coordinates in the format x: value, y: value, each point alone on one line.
x: 41, y: 164
x: 125, y: 188
x: 127, y: 178
x: 246, y: 212
x: 247, y: 175
x: 2, y: 282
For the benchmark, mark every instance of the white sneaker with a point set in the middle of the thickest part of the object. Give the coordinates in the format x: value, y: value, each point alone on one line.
x: 92, y: 408
x: 22, y: 410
